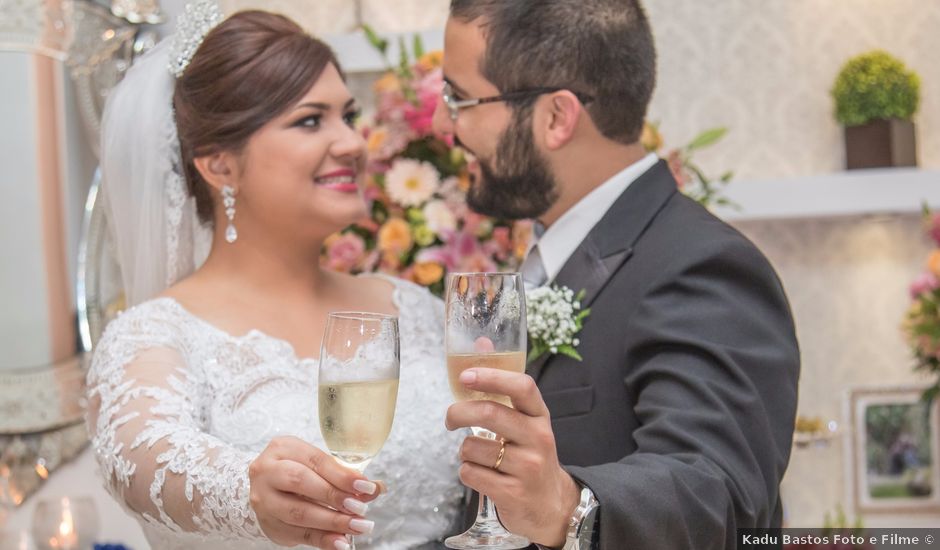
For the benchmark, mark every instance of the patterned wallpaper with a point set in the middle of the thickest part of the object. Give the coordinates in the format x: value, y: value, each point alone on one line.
x: 847, y: 281
x: 763, y: 69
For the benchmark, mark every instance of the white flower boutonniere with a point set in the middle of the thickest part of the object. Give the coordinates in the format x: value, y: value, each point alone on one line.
x: 554, y: 318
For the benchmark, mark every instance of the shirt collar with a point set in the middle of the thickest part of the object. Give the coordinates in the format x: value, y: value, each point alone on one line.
x: 562, y: 238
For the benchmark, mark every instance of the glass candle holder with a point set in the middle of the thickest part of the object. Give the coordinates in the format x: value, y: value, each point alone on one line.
x: 68, y: 523
x: 16, y: 540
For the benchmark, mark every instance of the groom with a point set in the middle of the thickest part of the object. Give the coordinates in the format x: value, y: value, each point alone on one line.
x: 675, y: 429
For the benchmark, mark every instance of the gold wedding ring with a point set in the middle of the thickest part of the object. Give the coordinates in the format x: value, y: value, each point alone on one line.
x: 502, y: 451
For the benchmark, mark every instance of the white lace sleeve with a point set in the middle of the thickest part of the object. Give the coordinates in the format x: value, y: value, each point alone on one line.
x: 149, y: 434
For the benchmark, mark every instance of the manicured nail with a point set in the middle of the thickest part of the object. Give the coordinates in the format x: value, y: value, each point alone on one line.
x: 341, y: 545
x: 356, y: 507
x: 364, y: 486
x: 361, y: 526
x: 468, y: 376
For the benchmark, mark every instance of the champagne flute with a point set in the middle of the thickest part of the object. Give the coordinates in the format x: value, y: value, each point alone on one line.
x: 484, y: 327
x: 358, y: 386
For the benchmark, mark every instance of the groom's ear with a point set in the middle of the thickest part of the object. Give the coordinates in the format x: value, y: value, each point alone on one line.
x: 561, y: 120
x: 218, y: 169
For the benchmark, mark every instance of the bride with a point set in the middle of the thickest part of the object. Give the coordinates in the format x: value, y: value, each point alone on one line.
x: 202, y: 395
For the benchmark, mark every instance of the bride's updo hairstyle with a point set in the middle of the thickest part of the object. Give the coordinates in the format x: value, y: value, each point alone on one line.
x: 248, y: 70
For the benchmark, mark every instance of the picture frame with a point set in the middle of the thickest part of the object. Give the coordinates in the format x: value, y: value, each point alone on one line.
x: 894, y: 441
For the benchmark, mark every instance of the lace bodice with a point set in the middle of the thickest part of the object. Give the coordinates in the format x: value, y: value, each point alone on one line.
x: 179, y: 409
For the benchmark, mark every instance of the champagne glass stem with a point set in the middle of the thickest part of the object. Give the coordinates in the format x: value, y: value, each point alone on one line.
x: 486, y: 510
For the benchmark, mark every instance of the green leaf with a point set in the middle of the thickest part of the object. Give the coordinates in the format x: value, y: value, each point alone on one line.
x: 570, y: 352
x: 377, y: 42
x: 580, y: 295
x: 706, y: 138
x: 403, y: 62
x: 418, y: 46
x: 538, y: 350
x: 582, y: 315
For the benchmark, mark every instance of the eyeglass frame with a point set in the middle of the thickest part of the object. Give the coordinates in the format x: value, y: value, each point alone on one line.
x: 455, y: 105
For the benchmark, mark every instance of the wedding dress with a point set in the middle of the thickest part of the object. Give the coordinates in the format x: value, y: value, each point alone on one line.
x: 179, y: 409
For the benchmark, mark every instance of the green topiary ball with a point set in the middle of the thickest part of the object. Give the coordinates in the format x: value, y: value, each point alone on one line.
x: 874, y: 86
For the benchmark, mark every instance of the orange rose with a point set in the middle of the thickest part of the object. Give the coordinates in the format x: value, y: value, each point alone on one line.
x: 395, y: 236
x: 388, y: 83
x: 933, y: 263
x: 428, y: 273
x: 463, y: 181
x: 377, y: 138
x: 431, y: 60
x: 651, y: 139
x: 521, y: 236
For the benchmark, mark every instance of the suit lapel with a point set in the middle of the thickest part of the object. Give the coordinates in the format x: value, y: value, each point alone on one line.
x: 610, y: 243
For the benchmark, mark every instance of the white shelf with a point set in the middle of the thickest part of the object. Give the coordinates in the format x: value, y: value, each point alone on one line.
x: 356, y: 55
x: 849, y: 193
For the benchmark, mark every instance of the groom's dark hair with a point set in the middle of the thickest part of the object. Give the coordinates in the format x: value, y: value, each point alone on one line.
x: 601, y: 48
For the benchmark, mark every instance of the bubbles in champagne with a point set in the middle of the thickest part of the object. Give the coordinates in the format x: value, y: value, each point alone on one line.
x: 356, y: 418
x: 513, y: 361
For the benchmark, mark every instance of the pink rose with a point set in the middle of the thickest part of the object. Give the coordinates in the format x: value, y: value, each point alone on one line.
x: 428, y: 91
x: 503, y: 238
x: 477, y: 262
x: 934, y: 230
x: 345, y: 252
x: 925, y: 282
x: 674, y: 160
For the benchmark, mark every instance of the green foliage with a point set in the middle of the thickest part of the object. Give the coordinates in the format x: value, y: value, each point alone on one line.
x: 875, y: 86
x: 706, y: 138
x: 377, y: 42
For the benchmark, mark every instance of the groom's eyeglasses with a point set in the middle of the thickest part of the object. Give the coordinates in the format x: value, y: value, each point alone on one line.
x: 454, y: 105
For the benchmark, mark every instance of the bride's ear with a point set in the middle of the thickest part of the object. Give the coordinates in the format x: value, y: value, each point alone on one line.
x: 218, y: 169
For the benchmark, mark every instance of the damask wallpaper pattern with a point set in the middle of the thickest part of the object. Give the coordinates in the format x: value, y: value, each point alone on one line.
x: 847, y: 281
x: 763, y: 69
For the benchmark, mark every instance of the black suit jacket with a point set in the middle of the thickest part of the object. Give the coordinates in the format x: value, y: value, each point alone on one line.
x: 680, y: 418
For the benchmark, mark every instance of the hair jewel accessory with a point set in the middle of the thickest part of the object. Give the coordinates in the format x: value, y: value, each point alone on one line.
x: 192, y: 26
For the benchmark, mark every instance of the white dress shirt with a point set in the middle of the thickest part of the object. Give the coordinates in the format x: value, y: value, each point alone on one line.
x: 562, y: 238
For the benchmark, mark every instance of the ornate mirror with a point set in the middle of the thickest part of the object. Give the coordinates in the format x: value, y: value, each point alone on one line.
x: 41, y: 405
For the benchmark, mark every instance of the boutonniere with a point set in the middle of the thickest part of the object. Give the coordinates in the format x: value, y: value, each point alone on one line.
x: 554, y: 318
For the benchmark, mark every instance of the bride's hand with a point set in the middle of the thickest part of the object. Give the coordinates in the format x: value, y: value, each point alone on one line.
x: 301, y: 495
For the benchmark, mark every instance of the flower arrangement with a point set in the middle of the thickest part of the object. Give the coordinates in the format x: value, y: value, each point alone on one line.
x: 875, y: 85
x: 419, y: 227
x: 691, y: 178
x: 554, y: 318
x: 921, y: 324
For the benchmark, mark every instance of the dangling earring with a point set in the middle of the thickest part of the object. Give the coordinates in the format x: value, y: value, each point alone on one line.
x: 228, y: 199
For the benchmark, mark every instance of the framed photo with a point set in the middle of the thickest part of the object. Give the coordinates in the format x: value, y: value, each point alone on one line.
x: 895, y: 448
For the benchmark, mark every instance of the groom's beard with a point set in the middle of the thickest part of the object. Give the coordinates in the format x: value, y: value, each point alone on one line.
x: 521, y: 184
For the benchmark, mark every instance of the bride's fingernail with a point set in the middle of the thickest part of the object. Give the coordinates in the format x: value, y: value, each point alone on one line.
x: 356, y: 507
x: 341, y: 545
x: 361, y: 526
x: 364, y: 486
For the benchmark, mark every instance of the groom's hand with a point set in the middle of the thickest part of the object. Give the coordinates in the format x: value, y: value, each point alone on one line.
x: 533, y: 494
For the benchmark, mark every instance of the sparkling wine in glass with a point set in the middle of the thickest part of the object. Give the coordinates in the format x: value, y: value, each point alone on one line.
x: 484, y: 327
x: 358, y: 386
